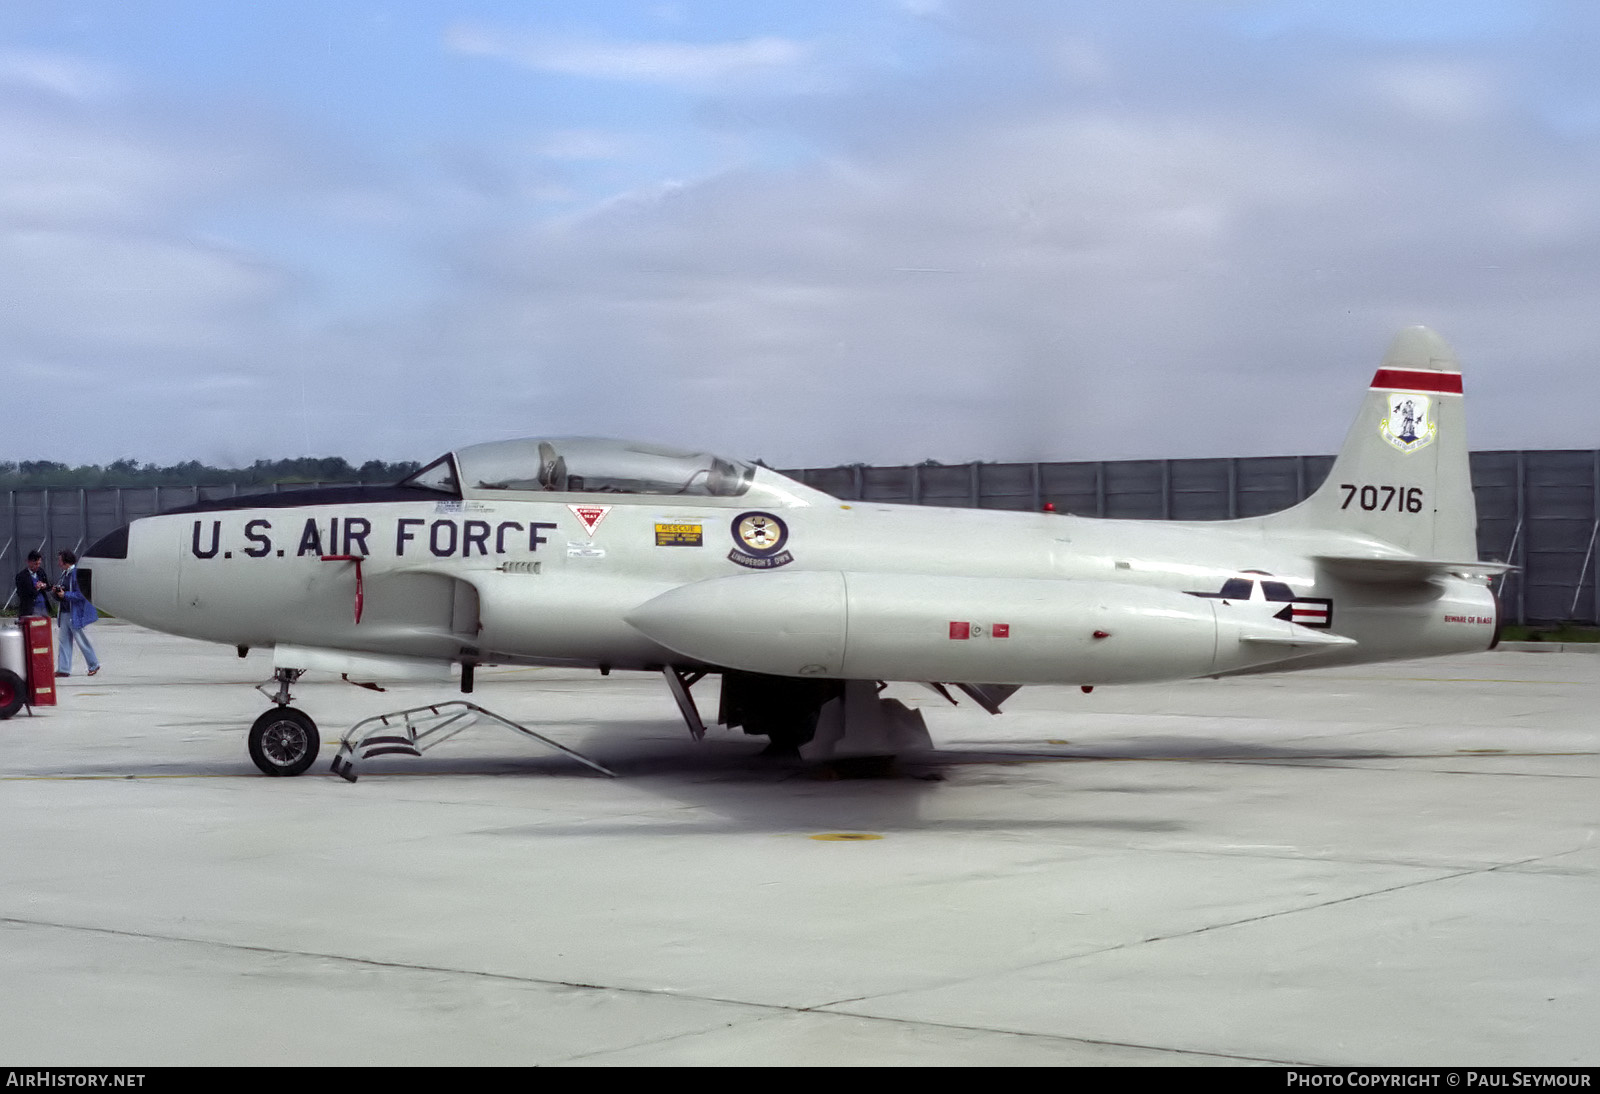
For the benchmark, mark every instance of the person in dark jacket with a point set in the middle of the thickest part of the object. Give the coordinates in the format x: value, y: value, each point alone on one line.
x: 76, y: 614
x: 33, y: 588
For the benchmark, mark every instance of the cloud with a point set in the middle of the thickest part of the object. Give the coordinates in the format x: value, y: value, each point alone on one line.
x: 677, y: 64
x: 1437, y: 91
x: 1067, y: 238
x: 54, y: 73
x: 60, y: 168
x: 583, y: 144
x: 110, y: 292
x: 1085, y: 283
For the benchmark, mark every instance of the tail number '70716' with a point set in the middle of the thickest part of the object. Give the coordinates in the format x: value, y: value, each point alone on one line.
x: 1383, y: 498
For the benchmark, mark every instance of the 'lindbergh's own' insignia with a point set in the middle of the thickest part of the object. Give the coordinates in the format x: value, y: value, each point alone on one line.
x: 758, y: 541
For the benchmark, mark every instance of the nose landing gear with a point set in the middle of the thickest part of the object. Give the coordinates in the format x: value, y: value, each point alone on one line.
x: 283, y: 741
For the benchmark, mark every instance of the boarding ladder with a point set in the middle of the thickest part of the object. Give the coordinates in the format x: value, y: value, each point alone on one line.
x: 412, y: 732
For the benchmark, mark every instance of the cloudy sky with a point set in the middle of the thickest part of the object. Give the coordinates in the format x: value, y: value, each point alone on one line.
x: 816, y: 232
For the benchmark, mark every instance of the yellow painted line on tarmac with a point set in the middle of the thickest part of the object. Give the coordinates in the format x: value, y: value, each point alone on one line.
x: 845, y: 837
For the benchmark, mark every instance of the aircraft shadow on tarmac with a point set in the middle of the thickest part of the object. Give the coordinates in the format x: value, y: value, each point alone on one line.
x: 638, y: 749
x: 721, y: 785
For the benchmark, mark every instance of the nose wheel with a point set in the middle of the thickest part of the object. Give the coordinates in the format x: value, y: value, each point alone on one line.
x: 284, y: 741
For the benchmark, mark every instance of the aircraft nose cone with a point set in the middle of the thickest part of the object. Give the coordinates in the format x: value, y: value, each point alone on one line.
x: 112, y: 545
x: 102, y: 571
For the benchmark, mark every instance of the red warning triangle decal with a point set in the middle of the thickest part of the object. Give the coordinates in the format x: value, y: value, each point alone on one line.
x: 590, y: 515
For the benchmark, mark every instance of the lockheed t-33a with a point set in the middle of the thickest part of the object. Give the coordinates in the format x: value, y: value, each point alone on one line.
x: 619, y: 556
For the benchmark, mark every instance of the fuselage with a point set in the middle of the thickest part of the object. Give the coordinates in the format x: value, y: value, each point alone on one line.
x: 553, y: 577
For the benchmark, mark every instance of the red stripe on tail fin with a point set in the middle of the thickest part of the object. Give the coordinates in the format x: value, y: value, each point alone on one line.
x: 1406, y: 379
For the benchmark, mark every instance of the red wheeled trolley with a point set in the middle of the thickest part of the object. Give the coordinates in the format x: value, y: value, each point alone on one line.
x: 27, y: 665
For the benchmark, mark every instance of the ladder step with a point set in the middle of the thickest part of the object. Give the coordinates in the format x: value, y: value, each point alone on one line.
x: 390, y: 750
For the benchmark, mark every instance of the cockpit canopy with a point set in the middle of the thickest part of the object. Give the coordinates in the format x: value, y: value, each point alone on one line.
x: 584, y: 465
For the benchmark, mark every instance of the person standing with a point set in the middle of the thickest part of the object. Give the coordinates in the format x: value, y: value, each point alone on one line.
x: 33, y: 588
x: 75, y: 615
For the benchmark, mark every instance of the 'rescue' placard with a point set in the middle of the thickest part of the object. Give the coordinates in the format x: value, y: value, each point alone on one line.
x: 680, y: 535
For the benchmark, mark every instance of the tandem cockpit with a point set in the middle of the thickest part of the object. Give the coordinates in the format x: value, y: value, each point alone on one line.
x: 595, y: 465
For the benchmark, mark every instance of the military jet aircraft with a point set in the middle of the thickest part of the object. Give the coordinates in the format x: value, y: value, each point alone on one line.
x: 620, y: 556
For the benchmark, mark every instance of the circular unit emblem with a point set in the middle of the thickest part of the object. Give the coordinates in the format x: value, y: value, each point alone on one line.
x: 760, y: 533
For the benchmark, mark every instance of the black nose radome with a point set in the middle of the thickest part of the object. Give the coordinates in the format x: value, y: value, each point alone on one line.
x: 114, y: 545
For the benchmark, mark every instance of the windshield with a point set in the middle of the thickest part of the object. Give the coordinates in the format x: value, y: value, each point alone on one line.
x: 439, y: 475
x: 593, y: 466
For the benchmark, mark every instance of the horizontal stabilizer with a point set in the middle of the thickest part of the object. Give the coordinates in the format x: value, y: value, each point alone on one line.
x: 1403, y: 571
x: 1296, y: 637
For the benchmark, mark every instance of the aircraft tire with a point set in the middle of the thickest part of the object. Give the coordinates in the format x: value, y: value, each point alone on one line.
x: 284, y: 741
x: 12, y: 693
x: 786, y: 733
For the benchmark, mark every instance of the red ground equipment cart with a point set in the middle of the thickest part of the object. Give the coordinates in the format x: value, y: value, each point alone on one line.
x: 27, y: 665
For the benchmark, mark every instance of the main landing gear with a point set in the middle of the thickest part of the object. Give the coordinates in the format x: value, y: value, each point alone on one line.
x: 283, y: 741
x: 809, y: 718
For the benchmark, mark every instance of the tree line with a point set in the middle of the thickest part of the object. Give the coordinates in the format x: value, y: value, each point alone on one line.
x: 49, y: 475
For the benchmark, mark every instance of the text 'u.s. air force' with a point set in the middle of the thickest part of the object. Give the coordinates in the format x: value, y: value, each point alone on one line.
x: 354, y: 535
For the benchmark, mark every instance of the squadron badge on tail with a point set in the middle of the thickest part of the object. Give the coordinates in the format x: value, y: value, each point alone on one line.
x: 1410, y: 423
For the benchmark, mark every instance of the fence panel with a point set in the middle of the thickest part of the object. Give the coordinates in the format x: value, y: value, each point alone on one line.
x: 1007, y: 486
x: 1269, y: 484
x: 1199, y: 490
x: 1133, y: 489
x: 892, y: 484
x: 1560, y: 515
x: 1072, y: 487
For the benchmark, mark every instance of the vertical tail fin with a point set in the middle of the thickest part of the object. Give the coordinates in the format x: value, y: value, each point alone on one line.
x: 1403, y: 475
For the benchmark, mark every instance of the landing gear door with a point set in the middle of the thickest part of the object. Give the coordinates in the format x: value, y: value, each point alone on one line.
x: 464, y: 621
